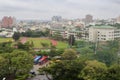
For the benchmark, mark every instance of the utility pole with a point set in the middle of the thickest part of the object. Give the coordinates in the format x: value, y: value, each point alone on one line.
x: 95, y: 47
x: 96, y: 44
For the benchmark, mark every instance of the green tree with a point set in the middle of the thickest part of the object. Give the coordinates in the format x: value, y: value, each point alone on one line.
x: 86, y: 57
x: 106, y: 57
x: 113, y: 44
x: 26, y: 46
x: 16, y: 36
x: 117, y: 25
x: 18, y: 63
x: 80, y: 44
x: 44, y: 45
x: 108, y: 52
x: 64, y: 70
x: 52, y: 53
x: 86, y: 50
x: 94, y: 70
x: 6, y: 47
x: 3, y: 66
x: 69, y: 54
x: 113, y: 72
x: 47, y: 32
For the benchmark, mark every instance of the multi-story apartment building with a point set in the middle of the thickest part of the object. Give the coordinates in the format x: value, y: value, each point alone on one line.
x: 103, y: 33
x: 88, y: 19
x: 8, y: 22
x: 65, y: 32
x: 117, y: 33
x: 118, y: 19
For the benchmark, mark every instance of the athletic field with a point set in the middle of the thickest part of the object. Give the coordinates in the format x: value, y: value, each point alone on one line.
x: 37, y: 42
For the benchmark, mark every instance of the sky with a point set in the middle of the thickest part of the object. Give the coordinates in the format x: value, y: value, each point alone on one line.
x: 71, y: 9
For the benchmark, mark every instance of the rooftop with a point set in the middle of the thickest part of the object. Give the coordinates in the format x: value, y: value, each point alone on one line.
x: 103, y: 27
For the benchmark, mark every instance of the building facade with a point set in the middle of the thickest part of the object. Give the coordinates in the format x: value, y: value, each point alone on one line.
x: 65, y: 32
x: 88, y: 19
x: 8, y: 22
x: 118, y: 19
x: 103, y: 33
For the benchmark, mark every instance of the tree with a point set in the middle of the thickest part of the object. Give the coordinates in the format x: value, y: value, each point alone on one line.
x: 26, y: 46
x: 52, y: 53
x: 108, y: 52
x: 94, y: 70
x: 117, y: 25
x: 69, y: 54
x: 64, y: 70
x: 3, y: 66
x: 44, y: 45
x: 80, y: 44
x: 113, y: 44
x: 86, y: 57
x: 36, y: 33
x: 47, y: 32
x: 71, y: 40
x: 107, y: 57
x: 5, y: 47
x: 18, y: 63
x: 113, y: 72
x: 85, y: 50
x: 16, y: 36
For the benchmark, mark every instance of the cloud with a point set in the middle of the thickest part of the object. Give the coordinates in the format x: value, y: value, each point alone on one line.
x: 45, y: 9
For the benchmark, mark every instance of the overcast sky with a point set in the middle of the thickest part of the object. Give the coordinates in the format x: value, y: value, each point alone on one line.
x: 45, y: 9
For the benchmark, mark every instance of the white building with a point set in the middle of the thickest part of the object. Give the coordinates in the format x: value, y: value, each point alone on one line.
x: 65, y: 32
x: 6, y: 34
x: 103, y: 33
x: 118, y: 19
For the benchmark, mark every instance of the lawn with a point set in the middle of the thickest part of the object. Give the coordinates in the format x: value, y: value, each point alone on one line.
x: 37, y: 42
x: 5, y: 39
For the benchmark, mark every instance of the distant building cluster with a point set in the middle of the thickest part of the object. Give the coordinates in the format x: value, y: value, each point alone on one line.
x: 56, y: 18
x: 87, y: 28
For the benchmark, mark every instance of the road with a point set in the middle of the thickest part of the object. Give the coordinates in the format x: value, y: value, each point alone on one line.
x: 39, y: 77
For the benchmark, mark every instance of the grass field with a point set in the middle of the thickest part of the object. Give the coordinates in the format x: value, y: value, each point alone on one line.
x: 5, y: 39
x: 37, y: 42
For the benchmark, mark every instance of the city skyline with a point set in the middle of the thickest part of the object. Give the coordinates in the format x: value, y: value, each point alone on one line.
x: 45, y: 9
